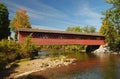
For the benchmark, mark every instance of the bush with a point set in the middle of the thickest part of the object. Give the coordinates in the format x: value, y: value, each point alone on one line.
x: 10, y: 49
x: 117, y: 44
x: 29, y: 49
x: 3, y: 61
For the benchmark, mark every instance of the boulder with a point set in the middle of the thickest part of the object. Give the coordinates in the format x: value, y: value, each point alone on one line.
x: 102, y: 49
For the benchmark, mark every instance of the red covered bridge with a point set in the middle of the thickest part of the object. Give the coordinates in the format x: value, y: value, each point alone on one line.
x: 54, y: 37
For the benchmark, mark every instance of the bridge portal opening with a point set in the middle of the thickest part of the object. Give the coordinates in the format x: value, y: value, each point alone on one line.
x: 91, y: 48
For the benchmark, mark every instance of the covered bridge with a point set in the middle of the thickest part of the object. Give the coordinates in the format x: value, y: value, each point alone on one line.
x: 55, y: 37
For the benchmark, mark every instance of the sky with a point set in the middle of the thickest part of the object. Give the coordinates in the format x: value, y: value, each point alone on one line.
x: 59, y: 14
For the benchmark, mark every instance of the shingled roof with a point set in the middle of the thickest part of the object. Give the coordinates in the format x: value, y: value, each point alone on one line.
x: 57, y: 31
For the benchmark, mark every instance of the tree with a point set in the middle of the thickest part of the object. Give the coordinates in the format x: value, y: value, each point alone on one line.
x: 114, y: 13
x: 109, y: 31
x: 74, y: 29
x: 89, y: 29
x: 21, y: 20
x: 4, y: 22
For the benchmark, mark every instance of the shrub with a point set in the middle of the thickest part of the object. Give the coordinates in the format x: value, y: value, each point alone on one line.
x: 10, y: 49
x: 117, y: 44
x: 29, y: 49
x: 3, y: 61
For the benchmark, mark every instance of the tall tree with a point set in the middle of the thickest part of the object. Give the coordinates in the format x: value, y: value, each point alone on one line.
x: 109, y: 31
x: 21, y: 20
x: 89, y: 29
x: 74, y: 29
x: 114, y: 13
x: 4, y: 22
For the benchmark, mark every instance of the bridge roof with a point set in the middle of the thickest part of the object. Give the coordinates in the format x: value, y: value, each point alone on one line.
x: 58, y: 32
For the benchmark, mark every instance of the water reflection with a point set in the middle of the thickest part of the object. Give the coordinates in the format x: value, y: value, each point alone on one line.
x: 110, y: 69
x: 88, y: 66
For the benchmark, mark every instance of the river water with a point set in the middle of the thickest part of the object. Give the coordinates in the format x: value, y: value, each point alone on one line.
x: 87, y: 66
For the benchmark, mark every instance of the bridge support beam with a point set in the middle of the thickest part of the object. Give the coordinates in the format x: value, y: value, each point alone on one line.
x: 91, y: 48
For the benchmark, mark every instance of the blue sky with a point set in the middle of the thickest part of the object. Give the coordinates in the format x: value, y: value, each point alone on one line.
x: 59, y: 14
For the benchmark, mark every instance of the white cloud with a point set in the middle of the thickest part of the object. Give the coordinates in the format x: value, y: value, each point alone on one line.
x: 90, y: 17
x: 39, y: 11
x: 45, y: 13
x: 86, y: 11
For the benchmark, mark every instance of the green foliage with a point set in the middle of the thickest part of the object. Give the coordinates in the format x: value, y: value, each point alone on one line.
x: 21, y: 20
x: 111, y: 25
x: 3, y: 61
x: 11, y: 50
x: 75, y: 47
x: 117, y: 43
x: 4, y: 22
x: 114, y: 13
x: 65, y: 47
x: 109, y: 31
x: 85, y: 29
x: 89, y: 29
x: 29, y: 49
x: 74, y: 29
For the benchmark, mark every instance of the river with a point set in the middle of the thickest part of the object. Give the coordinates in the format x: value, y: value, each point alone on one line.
x: 87, y: 66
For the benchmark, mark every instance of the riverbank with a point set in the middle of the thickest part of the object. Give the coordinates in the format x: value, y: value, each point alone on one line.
x: 105, y: 49
x: 26, y: 67
x: 63, y: 71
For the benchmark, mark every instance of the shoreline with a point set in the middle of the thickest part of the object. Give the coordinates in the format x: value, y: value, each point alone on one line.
x: 25, y: 68
x: 28, y: 67
x: 52, y: 73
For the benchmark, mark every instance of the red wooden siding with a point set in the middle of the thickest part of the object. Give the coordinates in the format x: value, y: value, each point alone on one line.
x: 41, y: 38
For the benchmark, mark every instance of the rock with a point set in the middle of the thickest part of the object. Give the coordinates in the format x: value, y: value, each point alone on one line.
x: 102, y: 49
x: 43, y: 64
x: 115, y: 53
